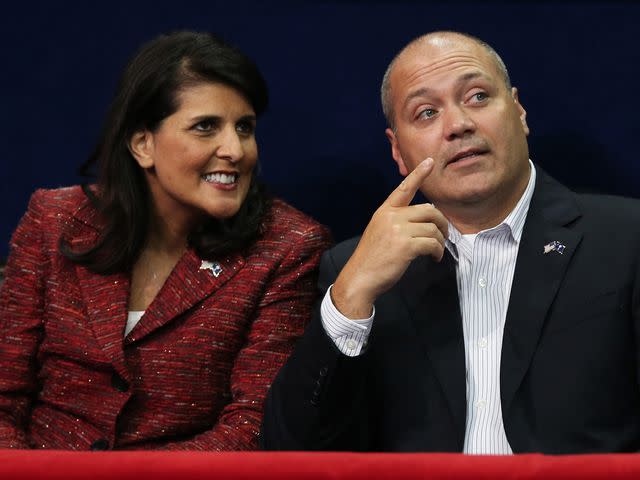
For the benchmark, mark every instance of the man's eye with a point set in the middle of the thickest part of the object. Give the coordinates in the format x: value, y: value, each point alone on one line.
x: 427, y: 113
x: 480, y: 96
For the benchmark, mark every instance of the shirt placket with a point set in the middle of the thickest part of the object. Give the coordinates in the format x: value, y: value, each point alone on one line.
x: 482, y: 318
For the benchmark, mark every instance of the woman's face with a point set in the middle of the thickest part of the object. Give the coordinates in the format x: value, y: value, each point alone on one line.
x: 200, y: 160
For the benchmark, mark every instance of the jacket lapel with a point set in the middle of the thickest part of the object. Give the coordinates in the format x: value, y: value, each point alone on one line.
x: 191, y: 281
x: 430, y: 292
x: 537, y: 278
x: 106, y: 297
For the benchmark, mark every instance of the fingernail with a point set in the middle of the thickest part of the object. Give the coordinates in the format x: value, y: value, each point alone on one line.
x: 427, y: 162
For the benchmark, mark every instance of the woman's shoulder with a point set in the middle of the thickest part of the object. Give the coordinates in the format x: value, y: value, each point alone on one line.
x: 59, y: 200
x: 50, y: 213
x: 59, y: 209
x: 283, y: 217
x: 285, y: 224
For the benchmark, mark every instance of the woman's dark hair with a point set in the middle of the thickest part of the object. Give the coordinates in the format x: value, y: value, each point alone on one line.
x: 146, y: 95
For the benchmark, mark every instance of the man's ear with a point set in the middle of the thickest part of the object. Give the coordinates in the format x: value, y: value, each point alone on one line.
x: 395, y: 152
x: 141, y: 147
x: 523, y: 112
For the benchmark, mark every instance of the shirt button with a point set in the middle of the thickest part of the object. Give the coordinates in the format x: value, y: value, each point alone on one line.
x: 351, y: 344
x: 482, y: 282
x: 480, y: 404
x: 482, y: 343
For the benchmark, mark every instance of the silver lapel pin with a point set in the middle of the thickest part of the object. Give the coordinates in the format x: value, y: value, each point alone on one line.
x: 554, y: 246
x: 214, y: 267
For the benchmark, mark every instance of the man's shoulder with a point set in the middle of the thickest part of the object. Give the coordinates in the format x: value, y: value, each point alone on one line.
x: 599, y: 201
x: 609, y: 209
x: 341, y: 252
x: 334, y: 259
x: 592, y: 208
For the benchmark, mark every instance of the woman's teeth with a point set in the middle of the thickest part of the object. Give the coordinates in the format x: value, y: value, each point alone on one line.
x: 223, y: 178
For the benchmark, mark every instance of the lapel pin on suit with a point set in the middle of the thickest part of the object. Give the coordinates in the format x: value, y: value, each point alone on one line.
x: 213, y: 267
x: 554, y: 246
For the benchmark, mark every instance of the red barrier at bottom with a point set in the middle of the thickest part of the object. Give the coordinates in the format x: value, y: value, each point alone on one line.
x: 50, y: 464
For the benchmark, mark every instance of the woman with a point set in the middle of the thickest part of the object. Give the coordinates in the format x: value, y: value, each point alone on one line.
x: 153, y: 309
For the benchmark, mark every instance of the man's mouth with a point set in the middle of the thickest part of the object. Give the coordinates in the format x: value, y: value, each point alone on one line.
x: 468, y: 153
x: 221, y: 178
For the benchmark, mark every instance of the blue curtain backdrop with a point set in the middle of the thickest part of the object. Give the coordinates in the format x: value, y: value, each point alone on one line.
x: 322, y: 142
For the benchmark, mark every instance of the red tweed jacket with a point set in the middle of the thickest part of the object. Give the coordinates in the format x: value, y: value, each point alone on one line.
x: 194, y: 371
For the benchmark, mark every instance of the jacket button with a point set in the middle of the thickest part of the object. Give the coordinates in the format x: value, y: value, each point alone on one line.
x: 119, y: 383
x: 100, y: 444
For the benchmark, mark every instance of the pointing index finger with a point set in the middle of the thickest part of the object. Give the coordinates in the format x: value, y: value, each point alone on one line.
x: 404, y: 193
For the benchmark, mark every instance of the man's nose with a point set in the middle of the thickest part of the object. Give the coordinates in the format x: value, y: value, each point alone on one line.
x: 458, y: 122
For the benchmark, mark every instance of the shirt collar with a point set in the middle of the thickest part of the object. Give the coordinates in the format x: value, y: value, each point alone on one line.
x: 513, y: 223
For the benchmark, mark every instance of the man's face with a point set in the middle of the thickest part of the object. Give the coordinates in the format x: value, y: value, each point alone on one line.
x: 451, y: 103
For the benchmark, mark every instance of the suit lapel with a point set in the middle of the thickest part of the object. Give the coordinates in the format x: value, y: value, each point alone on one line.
x: 430, y: 292
x: 106, y: 297
x: 537, y: 278
x: 189, y: 283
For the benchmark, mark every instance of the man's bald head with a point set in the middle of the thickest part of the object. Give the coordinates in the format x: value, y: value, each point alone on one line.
x: 434, y: 38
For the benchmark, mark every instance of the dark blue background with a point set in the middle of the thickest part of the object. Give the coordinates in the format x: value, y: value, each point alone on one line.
x: 322, y: 143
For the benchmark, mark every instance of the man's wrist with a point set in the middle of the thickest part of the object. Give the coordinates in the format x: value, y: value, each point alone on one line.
x: 349, y: 336
x: 350, y: 302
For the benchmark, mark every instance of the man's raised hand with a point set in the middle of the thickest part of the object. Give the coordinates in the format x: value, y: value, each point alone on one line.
x: 396, y: 234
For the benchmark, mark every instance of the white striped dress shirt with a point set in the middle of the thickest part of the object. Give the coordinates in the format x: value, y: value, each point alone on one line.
x: 485, y: 264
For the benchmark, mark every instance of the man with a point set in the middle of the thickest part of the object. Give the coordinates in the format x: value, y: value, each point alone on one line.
x: 504, y: 317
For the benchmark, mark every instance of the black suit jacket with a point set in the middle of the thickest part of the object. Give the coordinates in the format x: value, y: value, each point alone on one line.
x: 569, y: 374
